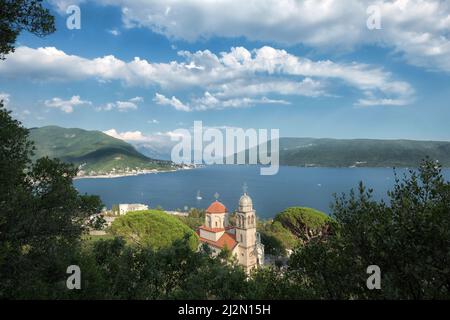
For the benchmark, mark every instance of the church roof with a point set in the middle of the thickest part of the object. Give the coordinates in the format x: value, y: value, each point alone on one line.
x: 226, y: 240
x: 211, y: 229
x: 216, y: 207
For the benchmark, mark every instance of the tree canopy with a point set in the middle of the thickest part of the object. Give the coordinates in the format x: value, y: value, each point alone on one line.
x: 407, y: 237
x: 19, y: 15
x: 292, y: 227
x: 152, y: 228
x: 42, y: 216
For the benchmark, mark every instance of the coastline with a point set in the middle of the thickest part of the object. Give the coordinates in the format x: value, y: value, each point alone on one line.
x: 129, y: 174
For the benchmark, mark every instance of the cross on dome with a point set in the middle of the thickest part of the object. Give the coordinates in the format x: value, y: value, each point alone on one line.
x: 245, y: 187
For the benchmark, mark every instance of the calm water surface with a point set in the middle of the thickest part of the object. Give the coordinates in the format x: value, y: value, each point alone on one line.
x: 292, y: 186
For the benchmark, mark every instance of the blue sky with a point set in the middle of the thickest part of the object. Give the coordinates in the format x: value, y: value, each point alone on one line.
x: 307, y: 68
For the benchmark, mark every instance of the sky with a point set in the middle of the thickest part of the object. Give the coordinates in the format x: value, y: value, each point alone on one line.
x: 139, y: 69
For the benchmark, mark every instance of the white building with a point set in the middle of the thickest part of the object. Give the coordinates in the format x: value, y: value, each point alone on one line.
x: 242, y: 240
x: 128, y: 207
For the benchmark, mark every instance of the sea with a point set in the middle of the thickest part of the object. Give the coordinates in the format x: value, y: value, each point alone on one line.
x: 197, y: 188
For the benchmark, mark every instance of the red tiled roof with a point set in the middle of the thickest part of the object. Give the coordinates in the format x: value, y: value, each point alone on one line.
x: 211, y: 229
x: 216, y: 207
x: 228, y: 240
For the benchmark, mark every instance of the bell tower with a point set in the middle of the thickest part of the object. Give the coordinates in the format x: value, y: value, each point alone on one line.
x: 246, y: 232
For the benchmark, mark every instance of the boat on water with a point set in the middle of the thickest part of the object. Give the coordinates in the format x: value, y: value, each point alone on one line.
x: 199, y: 197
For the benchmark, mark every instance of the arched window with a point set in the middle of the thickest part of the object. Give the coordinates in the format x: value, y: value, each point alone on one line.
x: 216, y: 224
x: 253, y: 220
x: 248, y: 220
x: 242, y: 238
x: 208, y: 221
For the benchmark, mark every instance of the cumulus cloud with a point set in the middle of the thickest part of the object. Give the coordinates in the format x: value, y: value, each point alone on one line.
x: 209, y: 101
x: 122, y: 106
x: 66, y: 106
x: 160, y: 142
x: 128, y: 135
x: 125, y: 105
x: 239, y: 77
x: 174, y: 102
x: 137, y: 99
x: 417, y: 29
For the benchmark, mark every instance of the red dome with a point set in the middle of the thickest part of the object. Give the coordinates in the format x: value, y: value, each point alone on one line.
x: 216, y: 207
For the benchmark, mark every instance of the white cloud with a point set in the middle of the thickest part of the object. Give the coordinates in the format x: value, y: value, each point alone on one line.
x: 153, y: 121
x: 378, y: 102
x: 238, y: 77
x: 174, y: 102
x: 210, y: 101
x: 125, y: 105
x: 122, y: 106
x: 417, y: 29
x: 66, y: 105
x: 137, y: 99
x: 156, y: 145
x: 114, y: 32
x: 128, y: 135
x: 138, y: 138
x: 5, y: 98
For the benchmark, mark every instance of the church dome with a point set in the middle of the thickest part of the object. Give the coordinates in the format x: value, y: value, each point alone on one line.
x: 216, y: 207
x: 245, y: 201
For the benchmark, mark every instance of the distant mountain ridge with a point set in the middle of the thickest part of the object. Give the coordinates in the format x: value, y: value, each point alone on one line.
x: 326, y: 152
x: 94, y: 151
x: 99, y: 153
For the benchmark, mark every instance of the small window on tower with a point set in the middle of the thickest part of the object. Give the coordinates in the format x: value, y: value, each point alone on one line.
x: 242, y: 238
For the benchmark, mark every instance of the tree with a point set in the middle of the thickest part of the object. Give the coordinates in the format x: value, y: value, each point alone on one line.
x: 19, y: 15
x: 42, y: 216
x: 115, y: 270
x: 305, y: 224
x: 294, y: 226
x: 152, y: 228
x: 408, y: 238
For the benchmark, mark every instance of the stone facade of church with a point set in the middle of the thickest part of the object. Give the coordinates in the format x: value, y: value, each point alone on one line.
x: 242, y: 239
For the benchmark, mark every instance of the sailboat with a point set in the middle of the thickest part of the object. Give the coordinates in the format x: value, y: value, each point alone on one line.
x: 199, y: 197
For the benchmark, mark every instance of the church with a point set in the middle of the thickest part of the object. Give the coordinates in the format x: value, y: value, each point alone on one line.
x: 242, y: 239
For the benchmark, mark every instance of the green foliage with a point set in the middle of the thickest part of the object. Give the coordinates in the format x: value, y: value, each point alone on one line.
x: 19, y: 15
x: 305, y: 223
x: 93, y: 150
x: 152, y: 228
x: 293, y: 226
x: 115, y: 209
x: 194, y: 219
x: 273, y: 284
x: 408, y: 238
x: 42, y: 216
x: 114, y: 270
x: 276, y: 238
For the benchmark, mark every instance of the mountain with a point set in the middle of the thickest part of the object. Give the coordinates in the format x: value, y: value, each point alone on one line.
x: 360, y: 152
x: 94, y: 151
x: 155, y: 150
